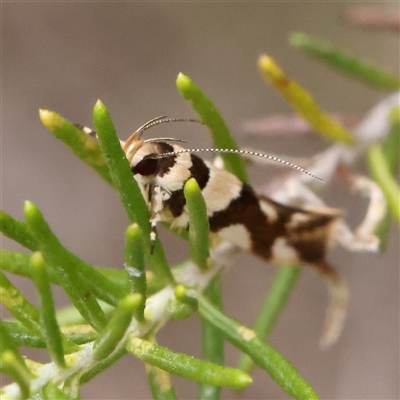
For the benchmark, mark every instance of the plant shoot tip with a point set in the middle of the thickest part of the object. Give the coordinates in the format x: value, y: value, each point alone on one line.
x: 37, y: 259
x: 183, y: 82
x: 50, y: 119
x: 180, y: 292
x: 132, y: 301
x: 29, y: 206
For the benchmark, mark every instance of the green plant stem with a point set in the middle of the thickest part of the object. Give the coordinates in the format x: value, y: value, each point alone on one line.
x: 212, y: 339
x: 381, y: 173
x: 391, y: 153
x: 382, y: 231
x: 276, y: 300
x: 84, y: 146
x: 199, y: 227
x: 265, y: 356
x: 391, y: 145
x: 186, y: 366
x: 213, y: 119
x: 134, y: 266
x: 274, y: 304
x: 128, y: 189
x: 67, y: 266
x: 352, y: 66
x: 47, y: 310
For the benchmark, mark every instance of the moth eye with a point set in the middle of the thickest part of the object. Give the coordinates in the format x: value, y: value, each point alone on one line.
x: 147, y: 166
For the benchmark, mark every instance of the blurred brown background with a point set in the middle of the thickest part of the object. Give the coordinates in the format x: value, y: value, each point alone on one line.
x: 65, y: 55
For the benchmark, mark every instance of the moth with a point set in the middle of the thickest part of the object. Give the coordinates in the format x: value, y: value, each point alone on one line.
x: 277, y: 233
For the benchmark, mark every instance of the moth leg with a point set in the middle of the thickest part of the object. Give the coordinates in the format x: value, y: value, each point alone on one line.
x: 153, y: 237
x: 363, y: 238
x: 91, y: 132
x: 156, y: 205
x: 338, y: 305
x: 87, y: 130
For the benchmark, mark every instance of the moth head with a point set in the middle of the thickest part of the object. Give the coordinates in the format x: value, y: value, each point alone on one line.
x: 144, y: 155
x: 134, y: 142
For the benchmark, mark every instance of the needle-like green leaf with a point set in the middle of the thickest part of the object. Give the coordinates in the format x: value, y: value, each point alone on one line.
x: 199, y: 227
x: 160, y: 383
x: 11, y: 365
x: 265, y: 356
x: 84, y: 146
x: 102, y: 365
x: 381, y: 173
x: 47, y: 310
x: 212, y: 339
x: 67, y: 266
x: 212, y: 118
x: 302, y: 101
x: 391, y: 154
x: 134, y: 266
x: 186, y: 366
x: 274, y: 304
x: 12, y: 362
x: 24, y: 311
x: 352, y: 66
x: 109, y: 339
x: 182, y: 306
x: 129, y: 192
x: 52, y: 392
x: 17, y: 230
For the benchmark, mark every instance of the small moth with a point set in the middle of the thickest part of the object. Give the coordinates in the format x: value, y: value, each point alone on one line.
x: 277, y: 233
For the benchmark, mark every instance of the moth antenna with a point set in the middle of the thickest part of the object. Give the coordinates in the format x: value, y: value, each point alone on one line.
x: 162, y: 119
x: 164, y: 139
x: 248, y: 152
x: 150, y: 123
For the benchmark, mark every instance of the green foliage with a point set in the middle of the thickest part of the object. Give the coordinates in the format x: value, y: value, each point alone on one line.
x: 107, y: 317
x: 200, y: 228
x: 352, y: 66
x: 85, y: 285
x: 275, y: 302
x: 211, y: 117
